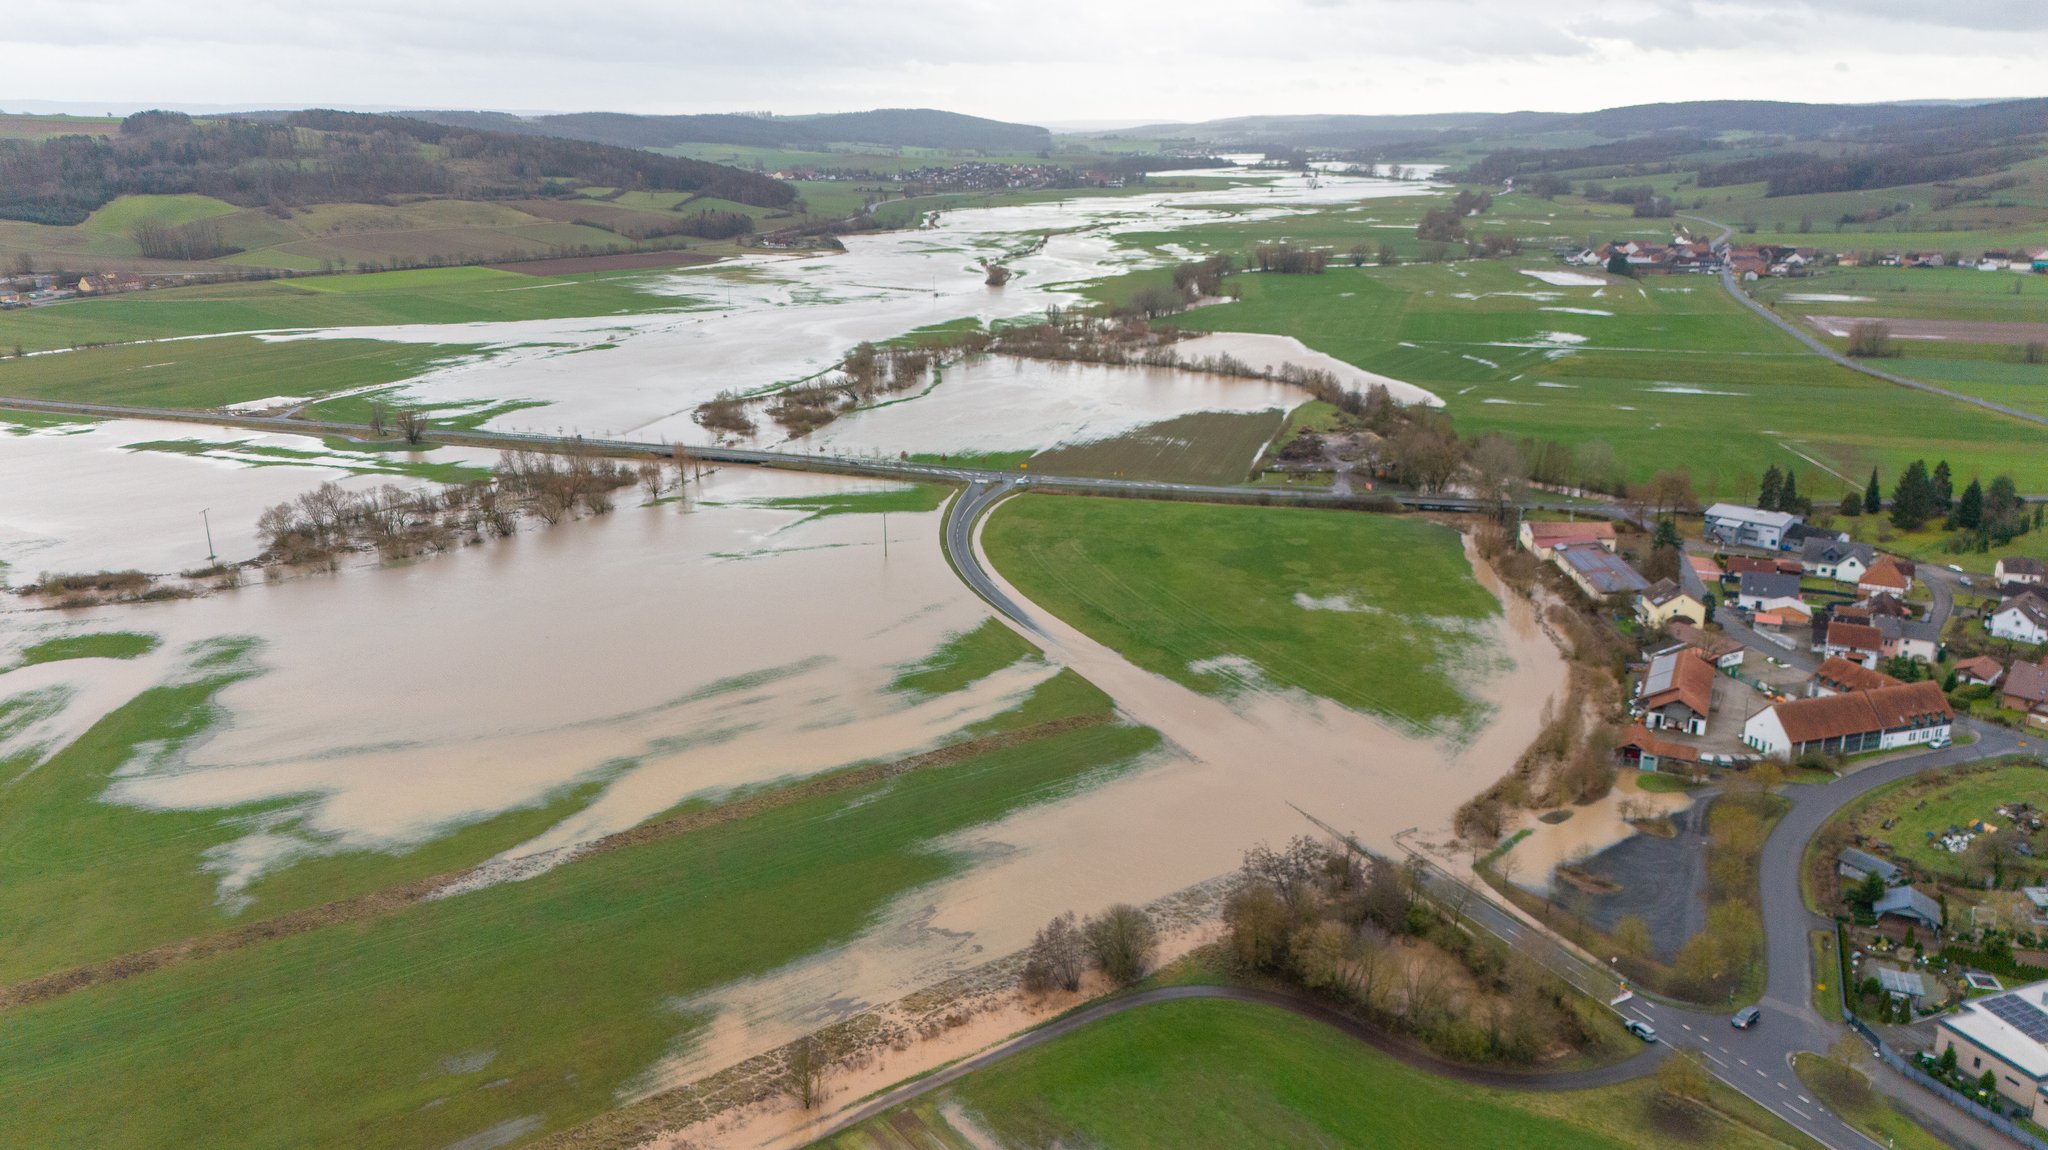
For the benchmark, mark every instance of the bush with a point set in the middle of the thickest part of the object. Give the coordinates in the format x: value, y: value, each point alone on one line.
x: 1121, y: 941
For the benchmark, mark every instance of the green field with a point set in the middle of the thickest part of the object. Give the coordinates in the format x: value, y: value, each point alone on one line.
x: 425, y: 296
x: 1921, y: 806
x: 1228, y: 1074
x: 542, y: 998
x: 1913, y: 293
x: 205, y: 374
x: 1862, y: 1108
x: 1377, y: 613
x: 1677, y: 374
x: 100, y: 645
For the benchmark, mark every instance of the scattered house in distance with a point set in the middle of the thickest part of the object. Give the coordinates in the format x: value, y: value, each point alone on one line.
x: 2022, y: 619
x: 1856, y: 865
x: 1982, y: 669
x: 1721, y: 650
x: 1541, y: 538
x: 2020, y: 569
x: 1760, y: 591
x: 1885, y: 577
x: 2006, y: 1034
x: 1740, y: 526
x: 1841, y: 562
x: 1908, y: 904
x: 1598, y: 571
x: 1663, y: 602
x: 1908, y: 715
x: 1839, y: 676
x: 1855, y: 642
x: 1677, y: 691
x: 2026, y: 689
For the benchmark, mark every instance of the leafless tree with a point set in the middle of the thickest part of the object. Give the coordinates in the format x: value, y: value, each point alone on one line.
x: 1122, y: 941
x: 377, y: 418
x: 804, y: 1071
x: 650, y: 479
x: 1056, y: 958
x: 412, y: 425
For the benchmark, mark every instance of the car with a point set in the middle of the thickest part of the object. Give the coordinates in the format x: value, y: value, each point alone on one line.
x: 1956, y: 569
x: 1642, y: 1030
x: 1746, y: 1017
x: 1965, y: 581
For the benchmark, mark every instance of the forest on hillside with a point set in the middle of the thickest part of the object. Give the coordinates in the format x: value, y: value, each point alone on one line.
x: 334, y: 157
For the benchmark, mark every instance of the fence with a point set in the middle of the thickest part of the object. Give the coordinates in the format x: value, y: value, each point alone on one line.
x: 1945, y: 1092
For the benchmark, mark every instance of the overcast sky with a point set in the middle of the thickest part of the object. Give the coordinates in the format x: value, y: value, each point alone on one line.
x: 1029, y: 60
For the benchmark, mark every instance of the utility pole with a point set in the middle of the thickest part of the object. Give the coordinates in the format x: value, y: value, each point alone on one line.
x: 209, y: 533
x: 885, y: 535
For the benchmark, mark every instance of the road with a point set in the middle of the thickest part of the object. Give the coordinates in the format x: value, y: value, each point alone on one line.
x: 1819, y: 348
x: 957, y: 537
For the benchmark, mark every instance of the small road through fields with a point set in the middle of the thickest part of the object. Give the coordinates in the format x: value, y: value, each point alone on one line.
x: 1814, y: 344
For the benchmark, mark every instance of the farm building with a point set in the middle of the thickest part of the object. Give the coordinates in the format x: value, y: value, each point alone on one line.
x: 1908, y: 905
x: 1541, y: 539
x: 1908, y: 715
x: 1857, y: 865
x: 1647, y: 751
x: 1740, y: 526
x: 1677, y: 692
x: 1598, y: 571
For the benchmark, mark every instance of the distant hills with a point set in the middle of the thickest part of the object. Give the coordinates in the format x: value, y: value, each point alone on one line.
x: 886, y: 127
x: 335, y: 157
x: 1706, y: 118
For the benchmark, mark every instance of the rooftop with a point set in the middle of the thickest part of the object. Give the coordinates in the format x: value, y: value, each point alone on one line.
x: 1769, y: 585
x: 1855, y: 636
x: 1861, y: 712
x: 2028, y: 681
x: 1757, y: 515
x: 1683, y: 676
x: 1603, y: 570
x: 1545, y: 533
x: 2013, y: 1026
x: 1848, y: 675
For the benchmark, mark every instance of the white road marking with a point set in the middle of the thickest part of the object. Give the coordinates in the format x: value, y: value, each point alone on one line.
x: 1685, y: 1025
x: 1805, y: 1099
x: 1781, y: 1085
x: 1798, y: 1111
x: 1713, y: 1059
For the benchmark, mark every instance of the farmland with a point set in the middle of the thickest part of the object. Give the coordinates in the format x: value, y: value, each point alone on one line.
x: 540, y: 998
x: 1202, y: 447
x: 1235, y: 1074
x: 1372, y: 612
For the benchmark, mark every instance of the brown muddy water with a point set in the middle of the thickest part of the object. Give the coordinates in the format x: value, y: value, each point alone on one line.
x: 1233, y: 774
x: 674, y: 653
x: 1592, y: 828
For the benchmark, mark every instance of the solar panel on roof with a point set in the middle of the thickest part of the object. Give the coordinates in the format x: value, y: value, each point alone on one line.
x: 2020, y: 1014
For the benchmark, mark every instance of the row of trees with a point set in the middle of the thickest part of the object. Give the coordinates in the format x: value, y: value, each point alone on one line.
x: 1120, y: 942
x: 1779, y: 491
x: 1355, y: 932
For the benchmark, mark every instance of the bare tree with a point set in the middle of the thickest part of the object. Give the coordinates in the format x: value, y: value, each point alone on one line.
x: 1056, y: 958
x: 412, y: 425
x: 650, y: 479
x: 377, y: 418
x: 804, y: 1071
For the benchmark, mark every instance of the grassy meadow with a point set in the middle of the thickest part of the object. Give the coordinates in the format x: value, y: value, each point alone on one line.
x: 1376, y: 613
x: 1227, y: 1074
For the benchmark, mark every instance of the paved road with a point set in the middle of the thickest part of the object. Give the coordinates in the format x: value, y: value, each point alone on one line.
x: 1623, y: 1071
x: 958, y: 539
x: 1814, y: 344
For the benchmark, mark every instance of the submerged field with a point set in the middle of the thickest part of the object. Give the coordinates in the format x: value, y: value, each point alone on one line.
x: 1375, y: 613
x: 1200, y: 1074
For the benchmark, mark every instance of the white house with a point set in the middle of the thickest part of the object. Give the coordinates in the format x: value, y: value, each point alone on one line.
x: 2005, y: 1035
x: 1768, y: 591
x: 2020, y: 569
x: 2021, y: 619
x: 1842, y: 562
x: 1740, y: 526
x: 1907, y: 715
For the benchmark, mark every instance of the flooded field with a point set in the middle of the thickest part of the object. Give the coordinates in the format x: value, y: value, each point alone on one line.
x: 85, y: 499
x: 668, y: 653
x: 1234, y: 773
x: 771, y: 320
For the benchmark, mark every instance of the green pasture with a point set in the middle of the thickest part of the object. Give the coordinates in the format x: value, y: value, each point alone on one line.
x: 1377, y: 613
x: 1227, y: 1074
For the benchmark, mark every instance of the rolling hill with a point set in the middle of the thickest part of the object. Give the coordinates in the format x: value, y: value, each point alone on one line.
x: 887, y: 127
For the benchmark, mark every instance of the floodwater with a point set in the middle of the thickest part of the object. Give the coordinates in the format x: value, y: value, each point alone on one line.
x: 675, y: 654
x: 78, y: 500
x: 1592, y: 828
x: 1233, y: 774
x: 773, y: 319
